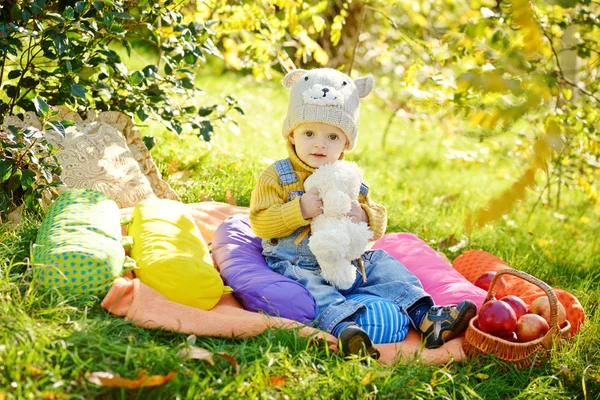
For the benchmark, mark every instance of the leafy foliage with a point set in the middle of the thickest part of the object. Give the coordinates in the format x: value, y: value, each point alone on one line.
x: 65, y: 52
x: 485, y: 68
x: 29, y: 171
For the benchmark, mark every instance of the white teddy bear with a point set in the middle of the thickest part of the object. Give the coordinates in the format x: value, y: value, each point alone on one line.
x: 336, y: 240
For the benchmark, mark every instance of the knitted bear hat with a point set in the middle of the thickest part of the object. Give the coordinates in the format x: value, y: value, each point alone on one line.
x: 325, y: 95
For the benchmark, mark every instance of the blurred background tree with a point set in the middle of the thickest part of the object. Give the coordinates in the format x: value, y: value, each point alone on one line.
x: 481, y: 68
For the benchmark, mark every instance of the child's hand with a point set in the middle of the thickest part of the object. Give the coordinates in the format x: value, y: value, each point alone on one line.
x: 311, y: 204
x: 356, y: 213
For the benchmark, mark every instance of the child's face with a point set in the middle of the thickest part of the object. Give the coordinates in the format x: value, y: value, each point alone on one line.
x: 318, y: 143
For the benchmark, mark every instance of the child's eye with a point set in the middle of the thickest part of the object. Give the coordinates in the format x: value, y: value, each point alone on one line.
x: 309, y: 133
x: 333, y: 136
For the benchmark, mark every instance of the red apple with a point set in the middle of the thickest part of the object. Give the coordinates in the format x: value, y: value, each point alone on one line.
x: 511, y: 337
x: 497, y: 318
x: 541, y: 306
x: 484, y: 281
x: 531, y: 327
x: 517, y: 304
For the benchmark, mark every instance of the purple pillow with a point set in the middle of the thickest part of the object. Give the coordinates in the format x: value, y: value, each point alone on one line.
x: 238, y: 253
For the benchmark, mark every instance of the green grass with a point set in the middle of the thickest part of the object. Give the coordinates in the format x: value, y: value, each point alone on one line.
x: 49, y: 343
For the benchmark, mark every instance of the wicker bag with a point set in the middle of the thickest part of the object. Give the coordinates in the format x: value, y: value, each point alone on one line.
x: 522, y: 354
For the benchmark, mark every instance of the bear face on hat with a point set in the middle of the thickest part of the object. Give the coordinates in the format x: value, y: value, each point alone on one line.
x: 328, y: 96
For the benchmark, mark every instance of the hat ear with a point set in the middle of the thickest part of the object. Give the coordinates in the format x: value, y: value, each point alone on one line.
x: 364, y: 85
x: 292, y: 77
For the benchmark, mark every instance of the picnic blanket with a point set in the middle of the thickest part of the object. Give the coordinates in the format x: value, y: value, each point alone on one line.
x: 132, y: 299
x: 145, y: 307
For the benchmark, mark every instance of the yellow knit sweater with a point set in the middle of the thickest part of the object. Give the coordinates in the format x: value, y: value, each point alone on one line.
x: 272, y: 216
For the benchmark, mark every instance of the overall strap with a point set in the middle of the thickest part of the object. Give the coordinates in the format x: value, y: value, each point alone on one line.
x: 285, y: 170
x: 364, y: 189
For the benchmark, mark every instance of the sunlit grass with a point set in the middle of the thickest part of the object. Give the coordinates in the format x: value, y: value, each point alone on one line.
x: 429, y: 178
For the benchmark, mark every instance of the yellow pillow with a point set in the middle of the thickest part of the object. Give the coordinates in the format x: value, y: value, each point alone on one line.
x: 171, y: 255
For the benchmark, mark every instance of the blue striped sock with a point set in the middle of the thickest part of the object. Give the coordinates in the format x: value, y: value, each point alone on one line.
x: 340, y: 327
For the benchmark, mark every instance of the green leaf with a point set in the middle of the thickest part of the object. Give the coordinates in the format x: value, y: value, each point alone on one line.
x: 61, y: 42
x: 41, y: 107
x: 141, y: 114
x: 68, y: 13
x: 78, y: 91
x: 123, y: 16
x: 11, y: 91
x: 27, y: 179
x: 82, y: 7
x: 57, y: 126
x: 205, y: 111
x: 29, y: 82
x: 5, y: 170
x: 206, y: 129
x: 238, y: 109
x: 136, y: 77
x: 55, y: 17
x: 15, y: 12
x: 149, y: 142
x: 14, y: 74
x: 46, y: 174
x: 14, y: 182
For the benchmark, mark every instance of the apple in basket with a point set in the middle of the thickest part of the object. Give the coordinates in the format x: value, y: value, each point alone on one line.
x: 517, y: 304
x: 541, y: 306
x: 483, y: 282
x: 511, y: 337
x: 497, y: 318
x: 531, y: 327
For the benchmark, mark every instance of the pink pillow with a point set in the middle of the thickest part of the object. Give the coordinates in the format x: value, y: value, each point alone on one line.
x: 445, y: 284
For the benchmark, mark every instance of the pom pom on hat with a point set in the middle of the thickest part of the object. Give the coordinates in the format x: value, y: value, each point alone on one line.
x: 325, y: 95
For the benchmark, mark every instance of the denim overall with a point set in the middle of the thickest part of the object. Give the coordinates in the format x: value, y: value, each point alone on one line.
x: 386, y: 276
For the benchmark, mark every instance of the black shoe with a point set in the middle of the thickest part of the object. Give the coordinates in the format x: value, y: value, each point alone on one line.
x: 354, y: 340
x: 442, y: 324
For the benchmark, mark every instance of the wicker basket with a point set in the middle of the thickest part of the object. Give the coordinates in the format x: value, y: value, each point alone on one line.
x: 522, y: 354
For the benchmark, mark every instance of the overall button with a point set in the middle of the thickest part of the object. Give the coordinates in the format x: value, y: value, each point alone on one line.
x: 273, y: 242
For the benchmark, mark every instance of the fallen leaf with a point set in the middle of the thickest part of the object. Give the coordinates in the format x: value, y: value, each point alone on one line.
x: 277, y: 381
x: 54, y: 396
x: 231, y: 360
x: 447, y: 242
x: 181, y: 175
x: 445, y: 199
x: 229, y: 199
x: 109, y: 379
x: 34, y: 371
x: 15, y: 216
x: 198, y: 353
x: 482, y: 376
x: 369, y: 377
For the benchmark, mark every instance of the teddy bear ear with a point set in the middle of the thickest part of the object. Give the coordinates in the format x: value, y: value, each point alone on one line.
x: 292, y: 77
x: 364, y: 85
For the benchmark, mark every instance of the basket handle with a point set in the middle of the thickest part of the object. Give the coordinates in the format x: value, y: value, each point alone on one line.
x: 531, y: 279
